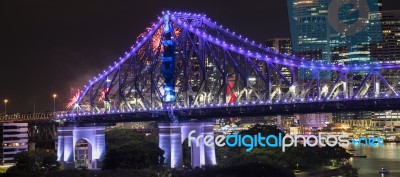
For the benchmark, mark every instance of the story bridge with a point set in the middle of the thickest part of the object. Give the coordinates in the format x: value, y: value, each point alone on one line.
x: 185, y: 67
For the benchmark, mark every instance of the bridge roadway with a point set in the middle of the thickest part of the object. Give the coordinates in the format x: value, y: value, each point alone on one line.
x: 245, y: 109
x: 242, y: 110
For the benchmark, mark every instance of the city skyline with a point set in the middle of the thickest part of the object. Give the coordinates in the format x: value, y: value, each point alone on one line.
x: 47, y: 42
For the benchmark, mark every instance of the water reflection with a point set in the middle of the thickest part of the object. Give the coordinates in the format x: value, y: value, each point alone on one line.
x: 387, y: 156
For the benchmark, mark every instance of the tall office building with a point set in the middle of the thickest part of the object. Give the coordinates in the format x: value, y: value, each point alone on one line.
x: 283, y: 45
x: 14, y: 139
x: 309, y: 28
x: 388, y: 50
x: 333, y: 30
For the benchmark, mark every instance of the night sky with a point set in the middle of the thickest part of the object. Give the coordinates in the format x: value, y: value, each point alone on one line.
x: 51, y: 46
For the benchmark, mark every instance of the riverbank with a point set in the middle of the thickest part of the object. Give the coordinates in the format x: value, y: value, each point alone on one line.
x: 327, y: 172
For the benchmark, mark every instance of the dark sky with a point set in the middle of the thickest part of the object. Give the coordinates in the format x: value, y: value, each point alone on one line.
x: 49, y: 46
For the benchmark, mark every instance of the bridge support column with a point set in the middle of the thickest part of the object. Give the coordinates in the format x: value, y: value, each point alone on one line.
x: 197, y: 157
x: 209, y: 152
x: 65, y: 147
x: 170, y: 141
x: 172, y: 137
x: 67, y: 139
x: 200, y: 155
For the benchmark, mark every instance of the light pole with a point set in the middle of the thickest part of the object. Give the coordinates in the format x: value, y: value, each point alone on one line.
x: 54, y: 103
x: 5, y: 106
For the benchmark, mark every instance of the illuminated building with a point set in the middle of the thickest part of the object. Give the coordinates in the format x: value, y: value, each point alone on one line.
x: 314, y: 35
x: 388, y: 50
x: 308, y: 24
x: 283, y: 45
x: 386, y: 119
x: 14, y: 139
x: 313, y: 122
x: 354, y: 115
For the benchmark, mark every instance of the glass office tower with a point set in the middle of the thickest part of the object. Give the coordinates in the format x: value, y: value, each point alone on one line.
x: 338, y: 31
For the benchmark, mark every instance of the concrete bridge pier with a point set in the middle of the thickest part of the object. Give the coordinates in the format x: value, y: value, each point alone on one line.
x: 171, y: 139
x: 90, y: 141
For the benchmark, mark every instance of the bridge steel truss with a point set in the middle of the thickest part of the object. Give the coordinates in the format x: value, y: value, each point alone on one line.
x: 214, y: 67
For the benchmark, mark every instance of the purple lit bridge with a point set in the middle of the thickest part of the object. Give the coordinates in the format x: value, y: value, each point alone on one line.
x: 217, y: 74
x: 222, y: 74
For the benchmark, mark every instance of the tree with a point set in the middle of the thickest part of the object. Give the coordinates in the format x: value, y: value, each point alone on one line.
x: 33, y: 163
x: 306, y: 157
x: 186, y: 154
x: 127, y: 149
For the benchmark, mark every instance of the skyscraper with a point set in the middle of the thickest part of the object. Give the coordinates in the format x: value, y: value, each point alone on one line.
x: 388, y: 50
x: 309, y: 28
x: 283, y: 45
x: 338, y: 31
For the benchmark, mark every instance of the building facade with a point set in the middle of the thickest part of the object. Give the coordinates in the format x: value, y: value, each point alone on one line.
x: 315, y: 36
x: 388, y: 50
x: 386, y: 119
x: 308, y: 24
x: 283, y: 45
x: 313, y: 122
x: 14, y: 139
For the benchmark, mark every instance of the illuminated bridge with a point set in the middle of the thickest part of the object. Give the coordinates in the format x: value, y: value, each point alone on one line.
x: 185, y: 67
x: 217, y: 72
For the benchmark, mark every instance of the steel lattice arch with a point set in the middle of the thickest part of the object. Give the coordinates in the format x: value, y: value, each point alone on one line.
x: 219, y: 73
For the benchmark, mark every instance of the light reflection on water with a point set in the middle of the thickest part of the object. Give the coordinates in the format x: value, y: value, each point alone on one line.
x: 387, y: 157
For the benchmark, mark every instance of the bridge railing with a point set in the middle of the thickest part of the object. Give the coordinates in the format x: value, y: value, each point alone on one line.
x: 29, y: 117
x: 244, y: 103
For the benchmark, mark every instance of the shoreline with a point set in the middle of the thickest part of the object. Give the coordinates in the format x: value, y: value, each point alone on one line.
x: 321, y: 173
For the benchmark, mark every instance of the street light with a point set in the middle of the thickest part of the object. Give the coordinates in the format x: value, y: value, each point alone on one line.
x: 54, y: 103
x: 5, y: 106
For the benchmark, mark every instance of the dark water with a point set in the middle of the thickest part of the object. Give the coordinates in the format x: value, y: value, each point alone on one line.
x: 387, y: 157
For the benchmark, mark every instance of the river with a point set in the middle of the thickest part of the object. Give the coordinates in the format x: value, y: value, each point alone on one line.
x: 387, y: 156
